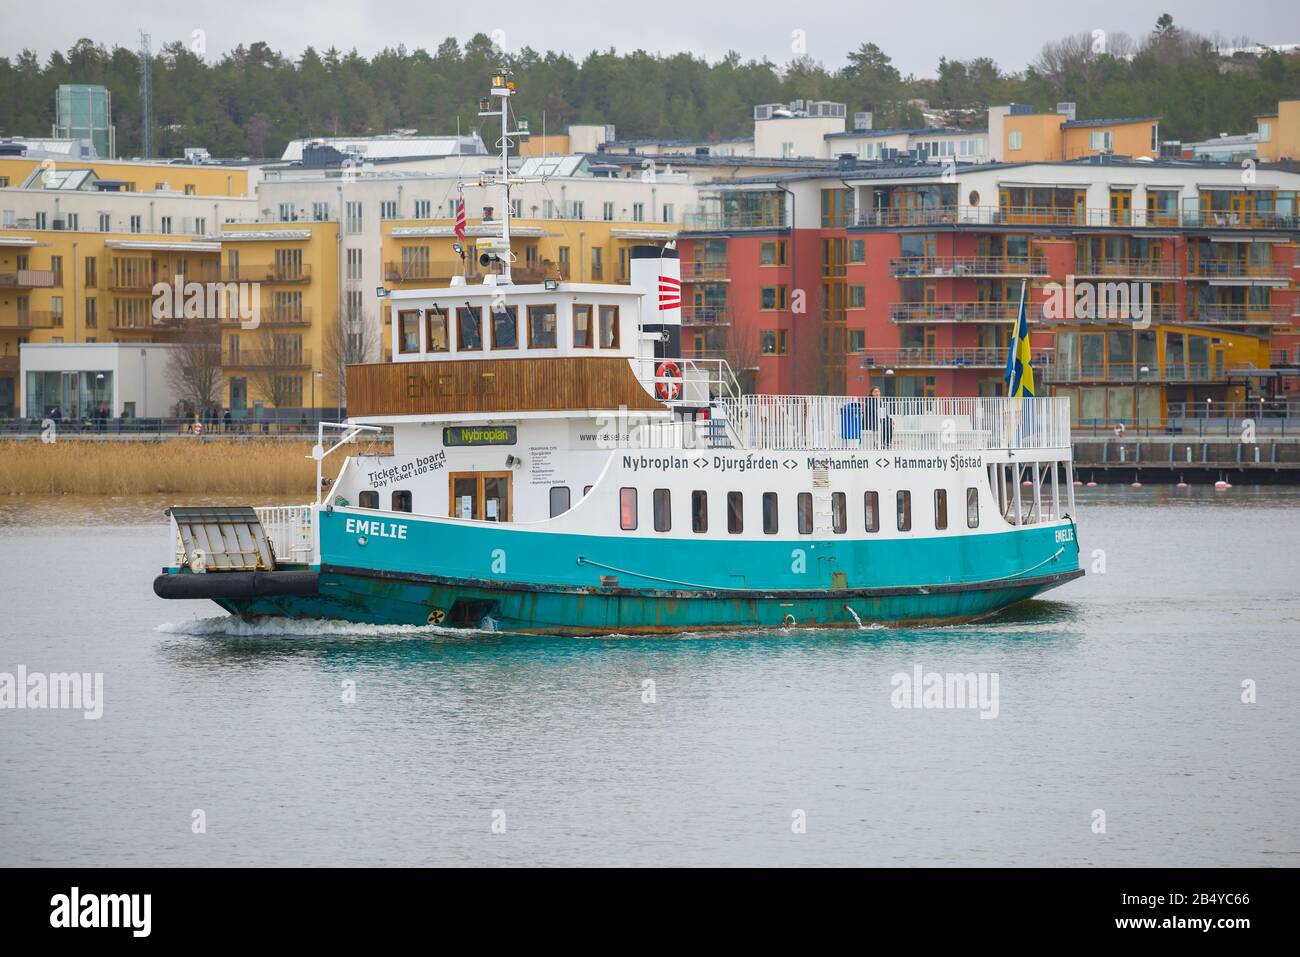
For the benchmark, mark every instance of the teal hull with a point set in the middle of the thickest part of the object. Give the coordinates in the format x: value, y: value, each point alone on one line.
x: 399, y: 600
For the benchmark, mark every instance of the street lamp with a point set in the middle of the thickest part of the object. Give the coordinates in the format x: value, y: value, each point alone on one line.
x: 316, y: 374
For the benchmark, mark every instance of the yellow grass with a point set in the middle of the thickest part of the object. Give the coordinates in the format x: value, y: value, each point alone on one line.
x: 193, y: 466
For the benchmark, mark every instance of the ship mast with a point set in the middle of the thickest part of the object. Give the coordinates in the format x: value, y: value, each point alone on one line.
x: 503, y: 87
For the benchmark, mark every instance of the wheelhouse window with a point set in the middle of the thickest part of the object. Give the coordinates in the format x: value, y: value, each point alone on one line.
x: 699, y: 511
x: 401, y: 501
x: 972, y: 508
x: 505, y: 327
x: 408, y: 331
x: 541, y: 326
x: 839, y: 513
x: 735, y: 513
x: 609, y: 327
x: 627, y: 509
x: 582, y: 327
x: 871, y: 508
x: 559, y: 500
x: 904, y: 511
x: 940, y: 508
x: 805, y: 510
x: 369, y: 499
x: 769, y: 513
x: 469, y: 329
x: 663, y: 509
x: 436, y: 320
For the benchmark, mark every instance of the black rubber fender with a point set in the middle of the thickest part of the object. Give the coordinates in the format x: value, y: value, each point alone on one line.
x: 214, y: 585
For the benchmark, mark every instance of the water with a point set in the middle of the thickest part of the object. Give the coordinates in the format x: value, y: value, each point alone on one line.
x: 1120, y: 693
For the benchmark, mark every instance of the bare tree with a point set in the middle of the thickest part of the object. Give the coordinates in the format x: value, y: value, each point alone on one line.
x: 350, y: 341
x: 273, y: 362
x: 741, y: 353
x: 194, y: 364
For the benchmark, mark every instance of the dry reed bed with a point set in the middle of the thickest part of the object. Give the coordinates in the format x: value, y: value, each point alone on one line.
x: 209, y: 466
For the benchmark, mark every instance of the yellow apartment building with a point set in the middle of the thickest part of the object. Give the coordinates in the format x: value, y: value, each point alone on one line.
x: 189, y: 179
x: 1279, y: 133
x: 1055, y: 137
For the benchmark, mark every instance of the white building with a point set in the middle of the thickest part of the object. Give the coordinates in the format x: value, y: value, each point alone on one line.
x: 127, y: 379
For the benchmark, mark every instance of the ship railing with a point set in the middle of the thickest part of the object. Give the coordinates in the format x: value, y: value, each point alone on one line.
x: 289, y: 529
x: 821, y: 423
x: 701, y: 380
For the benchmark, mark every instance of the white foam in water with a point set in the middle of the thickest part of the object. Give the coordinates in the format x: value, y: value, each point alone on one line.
x: 236, y: 627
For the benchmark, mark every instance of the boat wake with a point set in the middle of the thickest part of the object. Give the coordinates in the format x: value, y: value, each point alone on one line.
x: 232, y: 626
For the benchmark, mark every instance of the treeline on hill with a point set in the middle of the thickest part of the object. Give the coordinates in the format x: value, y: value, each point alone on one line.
x: 253, y: 100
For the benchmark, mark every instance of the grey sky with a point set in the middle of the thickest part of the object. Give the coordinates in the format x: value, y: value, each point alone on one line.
x: 914, y: 34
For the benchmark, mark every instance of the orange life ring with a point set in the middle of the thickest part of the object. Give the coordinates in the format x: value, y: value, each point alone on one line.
x: 1119, y: 430
x: 668, y: 370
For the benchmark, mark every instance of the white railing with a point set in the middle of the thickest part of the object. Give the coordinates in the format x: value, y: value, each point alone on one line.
x: 288, y: 528
x: 700, y: 380
x: 821, y: 422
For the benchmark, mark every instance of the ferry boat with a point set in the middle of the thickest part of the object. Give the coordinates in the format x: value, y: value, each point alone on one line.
x: 559, y: 468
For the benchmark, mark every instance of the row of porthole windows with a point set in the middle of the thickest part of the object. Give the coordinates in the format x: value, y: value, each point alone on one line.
x: 628, y: 511
x: 592, y: 326
x: 401, y: 500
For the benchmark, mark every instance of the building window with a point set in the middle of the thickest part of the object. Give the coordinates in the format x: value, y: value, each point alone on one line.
x: 559, y: 500
x: 354, y: 263
x: 1265, y: 132
x: 105, y: 222
x: 1100, y: 139
x: 769, y: 513
x: 541, y: 326
x: 871, y: 508
x: 597, y: 263
x: 200, y: 225
x: 582, y: 338
x: 857, y: 297
x: 92, y: 312
x: 735, y: 512
x: 401, y: 501
x: 663, y: 510
x: 940, y: 509
x: 71, y: 221
x: 772, y: 253
x: 607, y: 212
x: 972, y: 508
x: 904, y: 511
x: 469, y: 331
x: 805, y: 509
x: 408, y: 331
x: 320, y: 212
x: 857, y: 250
x: 638, y: 212
x: 772, y: 342
x: 286, y: 213
x: 668, y: 212
x: 1014, y: 139
x: 423, y: 209
x: 353, y: 217
x: 135, y: 224
x: 388, y: 209
x: 857, y: 340
x: 773, y: 297
x: 609, y: 327
x: 627, y: 509
x: 699, y: 511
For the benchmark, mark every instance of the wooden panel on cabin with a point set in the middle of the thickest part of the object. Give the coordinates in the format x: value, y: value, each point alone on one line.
x: 495, y: 385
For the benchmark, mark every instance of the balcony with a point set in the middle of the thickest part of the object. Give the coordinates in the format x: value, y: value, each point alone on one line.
x: 1240, y: 271
x: 719, y: 222
x: 1272, y: 314
x: 1103, y: 218
x: 1126, y: 269
x: 960, y: 267
x: 943, y: 312
x: 705, y: 271
x: 920, y: 358
x: 273, y: 315
x: 32, y: 319
x: 30, y: 279
x: 266, y: 358
x: 705, y: 315
x: 439, y: 272
x: 1110, y: 372
x: 273, y: 273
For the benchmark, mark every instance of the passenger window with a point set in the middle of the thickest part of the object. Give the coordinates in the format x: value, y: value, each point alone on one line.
x: 541, y: 326
x: 769, y: 513
x: 469, y: 329
x: 627, y: 508
x: 940, y: 508
x: 735, y: 513
x: 663, y: 510
x: 699, y: 511
x: 368, y: 500
x: 839, y: 513
x: 401, y: 501
x: 805, y: 513
x: 871, y: 506
x: 436, y: 319
x: 904, y: 511
x: 609, y: 327
x: 582, y: 337
x: 503, y: 327
x: 586, y: 489
x: 559, y: 500
x: 972, y: 508
x: 408, y: 331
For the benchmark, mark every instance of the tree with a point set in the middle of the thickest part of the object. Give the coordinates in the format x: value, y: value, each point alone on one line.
x: 351, y: 340
x: 193, y: 368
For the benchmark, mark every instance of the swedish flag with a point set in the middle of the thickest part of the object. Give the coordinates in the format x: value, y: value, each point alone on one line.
x: 1020, y: 371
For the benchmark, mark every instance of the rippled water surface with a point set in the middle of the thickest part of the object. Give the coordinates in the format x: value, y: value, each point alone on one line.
x: 1119, y: 693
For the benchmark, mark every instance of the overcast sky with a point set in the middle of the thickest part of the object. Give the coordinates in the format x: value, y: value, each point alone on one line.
x: 915, y: 34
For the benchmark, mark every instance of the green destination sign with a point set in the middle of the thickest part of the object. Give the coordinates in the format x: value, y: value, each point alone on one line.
x: 479, y: 435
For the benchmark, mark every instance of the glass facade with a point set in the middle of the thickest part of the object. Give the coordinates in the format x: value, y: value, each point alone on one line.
x: 76, y: 395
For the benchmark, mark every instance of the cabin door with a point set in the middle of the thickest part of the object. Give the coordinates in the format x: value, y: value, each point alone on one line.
x: 481, y: 496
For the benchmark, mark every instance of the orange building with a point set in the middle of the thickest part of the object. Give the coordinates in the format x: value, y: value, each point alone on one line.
x: 1054, y: 137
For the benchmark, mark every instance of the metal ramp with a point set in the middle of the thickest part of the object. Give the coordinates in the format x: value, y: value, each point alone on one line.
x: 222, y: 539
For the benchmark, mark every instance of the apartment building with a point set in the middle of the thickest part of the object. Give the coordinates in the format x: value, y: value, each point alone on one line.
x: 908, y: 276
x: 138, y: 176
x: 1278, y: 133
x: 1032, y: 137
